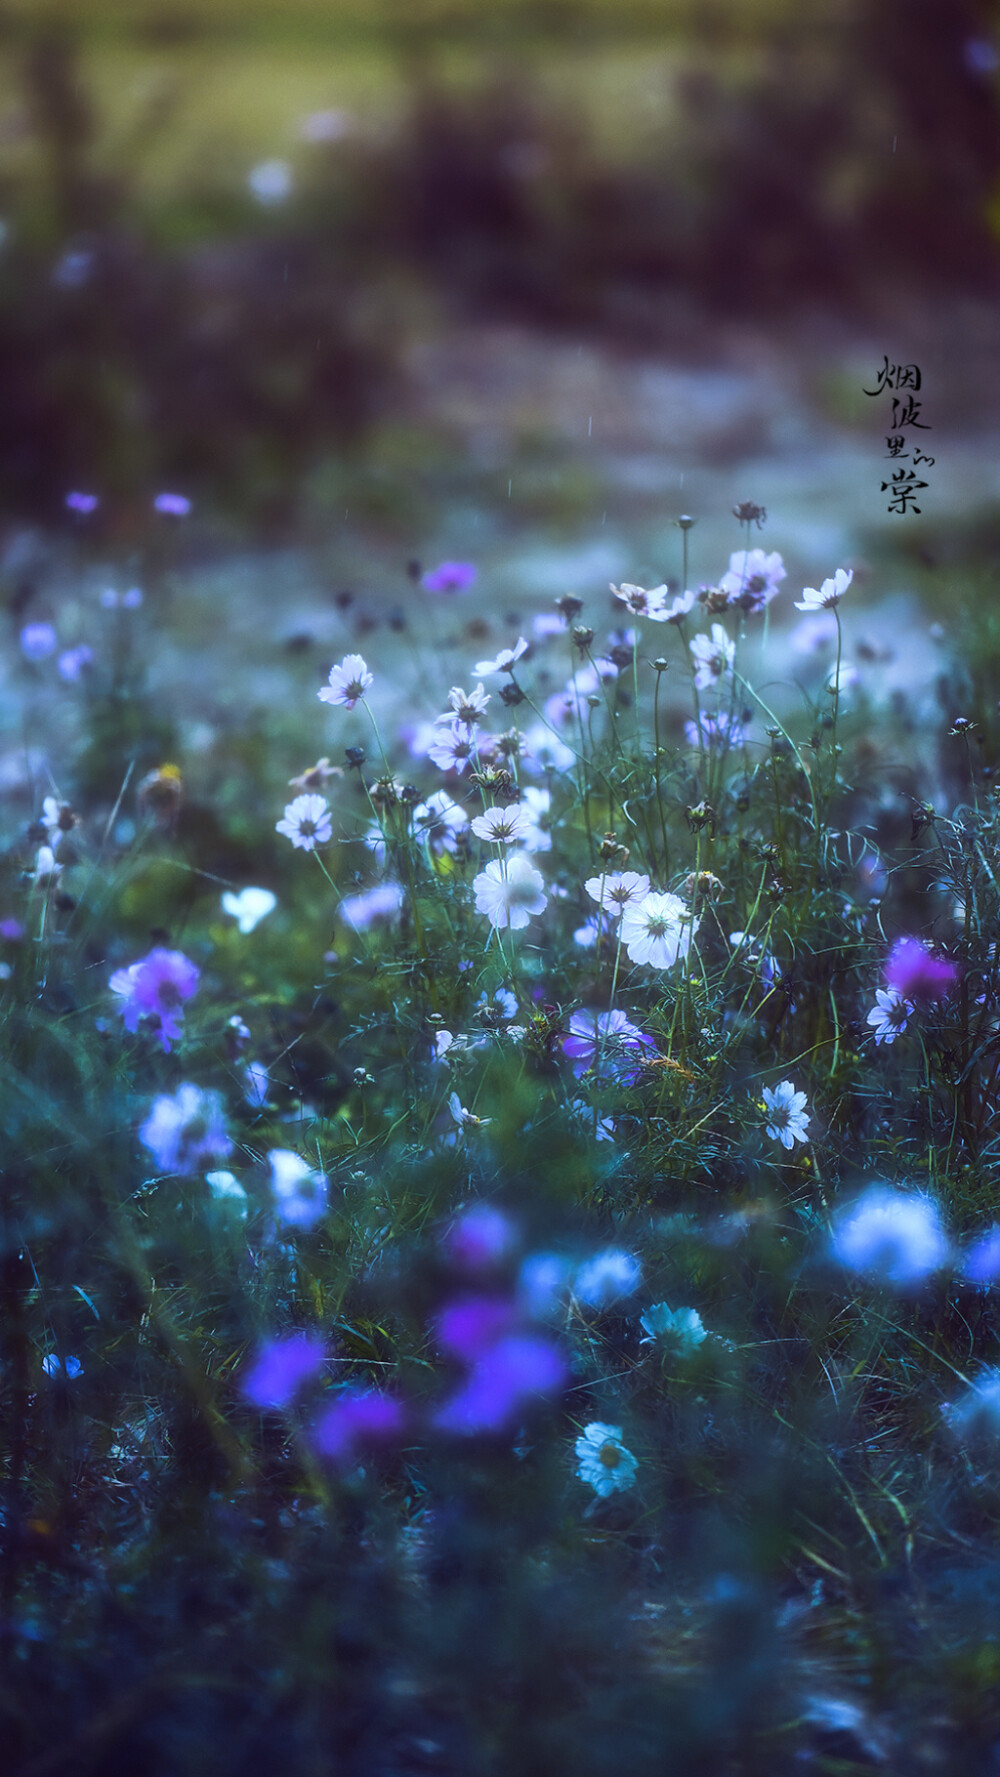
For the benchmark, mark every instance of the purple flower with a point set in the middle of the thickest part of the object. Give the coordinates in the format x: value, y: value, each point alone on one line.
x: 916, y: 974
x: 12, y: 930
x: 610, y: 1040
x: 465, y: 1329
x: 72, y: 661
x: 359, y: 1417
x: 449, y: 576
x: 85, y: 503
x: 38, y: 641
x: 282, y: 1367
x: 154, y: 988
x: 717, y: 731
x: 377, y: 907
x: 186, y: 1132
x: 480, y: 1238
x: 172, y: 505
x: 504, y: 1380
x: 982, y: 1261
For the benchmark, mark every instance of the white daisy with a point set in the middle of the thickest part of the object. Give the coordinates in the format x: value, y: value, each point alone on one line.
x: 657, y: 930
x: 642, y: 602
x: 306, y: 822
x: 250, y: 906
x: 613, y: 893
x: 503, y: 826
x: 713, y: 657
x: 348, y: 682
x: 603, y: 1462
x: 505, y: 661
x: 786, y: 1113
x: 829, y: 594
x: 510, y: 896
x: 466, y: 706
x: 536, y: 804
x: 890, y: 1015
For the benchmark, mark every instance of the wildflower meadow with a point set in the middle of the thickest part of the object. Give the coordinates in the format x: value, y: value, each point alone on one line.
x: 499, y: 889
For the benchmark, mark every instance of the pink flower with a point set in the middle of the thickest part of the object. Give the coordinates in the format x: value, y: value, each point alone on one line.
x: 154, y: 988
x: 916, y: 974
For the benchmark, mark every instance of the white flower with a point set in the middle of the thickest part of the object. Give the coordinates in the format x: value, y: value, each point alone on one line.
x: 348, y: 682
x: 256, y: 1084
x: 843, y: 679
x: 249, y: 907
x: 679, y: 1328
x: 890, y: 1015
x: 657, y: 930
x: 503, y: 826
x: 642, y: 602
x: 713, y: 657
x: 462, y: 1118
x: 977, y: 1412
x: 536, y: 804
x: 606, y: 1278
x: 271, y: 181
x: 466, y: 706
x: 601, y: 1128
x: 54, y: 1366
x: 46, y: 872
x: 683, y: 604
x: 603, y: 1461
x: 753, y: 578
x: 786, y: 1113
x: 226, y: 1188
x: 438, y: 821
x: 509, y: 897
x: 306, y: 822
x: 829, y: 594
x: 614, y: 893
x: 542, y: 750
x: 57, y: 819
x: 505, y: 661
x: 894, y: 1236
x: 452, y: 746
x: 298, y: 1190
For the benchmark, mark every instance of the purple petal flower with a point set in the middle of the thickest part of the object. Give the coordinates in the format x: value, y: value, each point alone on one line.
x: 186, y: 1132
x: 154, y: 988
x: 358, y: 1418
x: 467, y: 1328
x: 611, y: 1038
x: 449, y: 576
x: 172, y: 505
x: 915, y: 974
x: 38, y: 641
x: 480, y: 1238
x: 505, y: 1379
x: 282, y: 1367
x: 85, y: 503
x: 73, y: 661
x: 982, y: 1261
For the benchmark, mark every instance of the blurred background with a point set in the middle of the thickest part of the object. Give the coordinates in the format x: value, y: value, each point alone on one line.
x: 428, y: 268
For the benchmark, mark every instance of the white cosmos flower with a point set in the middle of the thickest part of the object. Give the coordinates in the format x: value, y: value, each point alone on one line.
x: 505, y: 661
x: 753, y: 578
x: 786, y: 1113
x: 892, y: 1235
x: 306, y: 822
x: 603, y: 1461
x: 503, y: 826
x: 462, y: 1118
x: 439, y: 820
x: 466, y: 706
x: 606, y: 1278
x: 713, y: 657
x: 643, y: 602
x: 542, y: 750
x: 683, y: 604
x: 536, y: 804
x: 452, y: 746
x: 614, y: 892
x: 509, y: 894
x: 680, y: 1329
x: 890, y: 1015
x: 657, y: 930
x: 829, y: 594
x: 299, y: 1192
x: 249, y: 907
x: 348, y: 682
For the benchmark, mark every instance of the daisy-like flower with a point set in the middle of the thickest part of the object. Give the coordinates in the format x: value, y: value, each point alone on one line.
x: 620, y: 1044
x: 186, y: 1131
x: 155, y: 988
x: 503, y: 826
x: 615, y: 892
x: 828, y: 595
x: 657, y: 930
x: 505, y: 661
x: 348, y: 682
x: 466, y: 706
x: 713, y: 657
x: 439, y: 821
x: 915, y: 972
x: 58, y: 819
x: 452, y: 747
x: 678, y: 1329
x: 510, y: 896
x: 306, y: 822
x: 753, y: 578
x: 536, y: 804
x: 462, y: 1118
x: 892, y: 1235
x: 541, y: 750
x: 249, y: 907
x: 377, y: 906
x: 298, y: 1191
x: 606, y: 1278
x: 786, y: 1113
x: 682, y: 606
x: 281, y: 1368
x: 449, y: 576
x: 603, y: 1462
x: 315, y: 776
x: 643, y: 602
x: 890, y: 1015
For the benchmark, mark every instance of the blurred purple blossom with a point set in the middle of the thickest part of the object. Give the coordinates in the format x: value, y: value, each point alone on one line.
x: 508, y: 1376
x: 916, y: 974
x: 84, y: 503
x: 377, y: 906
x: 359, y: 1417
x: 608, y: 1042
x: 38, y: 641
x: 449, y: 576
x: 281, y: 1368
x: 982, y: 1261
x: 465, y: 1329
x: 480, y: 1238
x: 155, y: 988
x: 186, y: 1131
x: 172, y: 505
x: 72, y: 661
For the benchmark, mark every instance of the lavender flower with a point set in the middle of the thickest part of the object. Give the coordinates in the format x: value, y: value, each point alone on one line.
x: 186, y: 1131
x: 281, y: 1368
x: 506, y: 1379
x: 358, y: 1418
x: 618, y: 1043
x: 155, y: 988
x: 891, y: 1235
x: 449, y: 576
x: 916, y: 974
